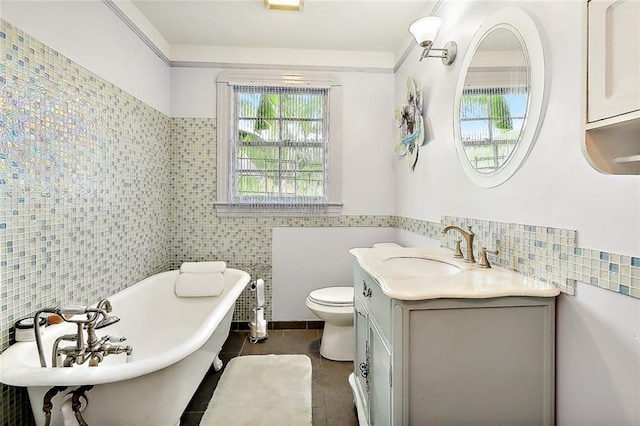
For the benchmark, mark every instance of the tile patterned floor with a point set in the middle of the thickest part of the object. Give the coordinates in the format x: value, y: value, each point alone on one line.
x: 331, y: 396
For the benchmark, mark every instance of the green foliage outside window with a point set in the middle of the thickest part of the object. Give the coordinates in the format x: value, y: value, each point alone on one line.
x: 281, y: 149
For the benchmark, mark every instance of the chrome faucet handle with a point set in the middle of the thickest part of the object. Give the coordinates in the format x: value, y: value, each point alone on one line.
x: 484, y: 261
x: 104, y: 304
x: 458, y: 251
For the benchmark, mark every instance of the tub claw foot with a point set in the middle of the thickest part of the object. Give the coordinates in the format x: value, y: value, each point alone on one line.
x: 217, y: 363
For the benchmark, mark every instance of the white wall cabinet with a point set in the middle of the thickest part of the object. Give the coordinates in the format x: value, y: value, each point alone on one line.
x: 452, y: 361
x: 614, y: 58
x: 612, y: 141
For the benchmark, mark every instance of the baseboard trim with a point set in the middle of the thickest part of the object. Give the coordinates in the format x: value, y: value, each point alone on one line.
x: 282, y: 325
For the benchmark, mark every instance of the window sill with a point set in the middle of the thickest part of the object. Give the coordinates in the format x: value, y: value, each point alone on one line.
x: 278, y: 210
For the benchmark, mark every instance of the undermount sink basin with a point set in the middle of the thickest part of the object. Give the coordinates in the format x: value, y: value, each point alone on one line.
x: 420, y: 266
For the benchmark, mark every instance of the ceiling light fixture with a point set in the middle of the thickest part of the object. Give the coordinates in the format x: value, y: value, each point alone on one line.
x: 284, y: 4
x: 424, y: 30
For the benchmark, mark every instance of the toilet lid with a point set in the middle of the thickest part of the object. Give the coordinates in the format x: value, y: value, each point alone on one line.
x: 333, y: 296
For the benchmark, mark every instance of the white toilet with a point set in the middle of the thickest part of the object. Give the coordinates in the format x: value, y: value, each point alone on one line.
x: 334, y: 305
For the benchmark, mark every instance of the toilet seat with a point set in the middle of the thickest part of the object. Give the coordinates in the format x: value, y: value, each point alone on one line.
x: 332, y: 296
x: 334, y: 305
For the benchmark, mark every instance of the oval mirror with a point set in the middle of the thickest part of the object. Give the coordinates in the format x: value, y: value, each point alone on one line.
x: 499, y: 97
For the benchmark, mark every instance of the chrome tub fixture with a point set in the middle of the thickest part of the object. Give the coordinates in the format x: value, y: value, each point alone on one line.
x: 110, y: 319
x: 92, y: 348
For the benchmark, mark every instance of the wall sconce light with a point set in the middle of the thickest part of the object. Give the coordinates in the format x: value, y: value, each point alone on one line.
x: 424, y: 30
x: 284, y: 4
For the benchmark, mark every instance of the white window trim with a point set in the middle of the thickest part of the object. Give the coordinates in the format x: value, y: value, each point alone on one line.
x: 224, y: 93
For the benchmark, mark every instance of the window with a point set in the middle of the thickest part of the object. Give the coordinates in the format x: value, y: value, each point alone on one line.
x: 491, y: 122
x: 278, y: 144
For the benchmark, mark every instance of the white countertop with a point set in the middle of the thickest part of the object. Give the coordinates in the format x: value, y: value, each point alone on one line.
x: 403, y: 274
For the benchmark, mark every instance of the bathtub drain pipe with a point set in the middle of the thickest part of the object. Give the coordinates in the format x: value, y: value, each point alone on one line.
x: 47, y: 405
x: 76, y: 405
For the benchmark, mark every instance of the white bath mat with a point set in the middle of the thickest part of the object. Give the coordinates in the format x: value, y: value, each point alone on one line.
x: 265, y: 390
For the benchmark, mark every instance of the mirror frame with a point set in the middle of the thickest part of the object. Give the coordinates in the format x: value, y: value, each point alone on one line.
x: 525, y: 30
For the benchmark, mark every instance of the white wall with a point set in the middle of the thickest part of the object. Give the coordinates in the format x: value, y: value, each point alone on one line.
x: 555, y: 187
x: 193, y: 92
x: 305, y: 259
x: 410, y: 239
x: 90, y: 34
x: 600, y: 346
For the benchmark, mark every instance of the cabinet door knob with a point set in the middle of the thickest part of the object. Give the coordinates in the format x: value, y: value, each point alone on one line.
x: 366, y: 292
x: 364, y: 369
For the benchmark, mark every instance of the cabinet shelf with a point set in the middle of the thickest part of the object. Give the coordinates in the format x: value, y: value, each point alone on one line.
x: 628, y: 159
x: 612, y: 146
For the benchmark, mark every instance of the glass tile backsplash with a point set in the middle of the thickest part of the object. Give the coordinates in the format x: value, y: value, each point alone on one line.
x: 543, y: 252
x: 84, y: 184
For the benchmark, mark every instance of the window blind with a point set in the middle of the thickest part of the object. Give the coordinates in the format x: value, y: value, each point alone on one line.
x: 279, y: 148
x: 492, y: 113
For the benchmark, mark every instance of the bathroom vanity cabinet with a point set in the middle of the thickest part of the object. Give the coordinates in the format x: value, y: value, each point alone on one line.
x: 612, y: 140
x: 452, y: 360
x: 372, y: 361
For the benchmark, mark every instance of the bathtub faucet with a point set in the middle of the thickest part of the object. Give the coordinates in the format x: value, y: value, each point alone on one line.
x: 96, y: 348
x: 66, y: 313
x: 104, y: 347
x: 93, y: 348
x: 110, y: 319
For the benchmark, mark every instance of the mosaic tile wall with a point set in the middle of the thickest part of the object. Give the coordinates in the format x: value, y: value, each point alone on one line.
x: 84, y: 184
x: 547, y: 253
x: 99, y: 191
x: 243, y: 242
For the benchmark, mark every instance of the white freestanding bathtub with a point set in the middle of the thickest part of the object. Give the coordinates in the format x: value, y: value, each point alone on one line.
x: 175, y: 341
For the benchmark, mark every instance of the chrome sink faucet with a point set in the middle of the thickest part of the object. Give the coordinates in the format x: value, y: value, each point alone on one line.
x: 468, y: 236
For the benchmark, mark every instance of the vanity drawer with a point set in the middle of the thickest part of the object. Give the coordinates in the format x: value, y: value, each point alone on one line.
x: 377, y: 303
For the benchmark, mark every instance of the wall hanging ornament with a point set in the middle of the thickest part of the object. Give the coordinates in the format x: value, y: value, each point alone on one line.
x: 411, y: 124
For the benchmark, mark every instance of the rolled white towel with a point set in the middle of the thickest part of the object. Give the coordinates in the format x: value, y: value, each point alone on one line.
x: 199, y: 285
x: 203, y: 267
